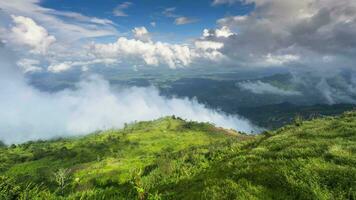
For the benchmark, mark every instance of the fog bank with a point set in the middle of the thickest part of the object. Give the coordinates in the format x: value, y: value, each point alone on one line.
x: 30, y: 114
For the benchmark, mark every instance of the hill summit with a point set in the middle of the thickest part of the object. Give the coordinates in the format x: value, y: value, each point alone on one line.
x: 170, y: 158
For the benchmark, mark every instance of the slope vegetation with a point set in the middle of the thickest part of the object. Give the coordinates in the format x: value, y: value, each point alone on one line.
x: 170, y: 158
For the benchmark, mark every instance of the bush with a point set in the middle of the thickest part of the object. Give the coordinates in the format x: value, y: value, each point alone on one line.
x: 298, y: 120
x: 9, y: 190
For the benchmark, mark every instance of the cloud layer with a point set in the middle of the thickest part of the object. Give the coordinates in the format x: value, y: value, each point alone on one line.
x: 281, y: 30
x: 156, y: 53
x: 29, y: 114
x: 303, y: 34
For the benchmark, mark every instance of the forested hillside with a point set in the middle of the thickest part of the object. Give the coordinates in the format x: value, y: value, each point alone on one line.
x: 171, y: 158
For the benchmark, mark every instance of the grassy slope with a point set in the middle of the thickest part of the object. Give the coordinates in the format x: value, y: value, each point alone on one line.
x: 315, y: 160
x: 173, y: 159
x: 109, y: 158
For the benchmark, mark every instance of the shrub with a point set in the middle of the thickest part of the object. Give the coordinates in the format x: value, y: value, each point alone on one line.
x: 298, y: 120
x: 9, y: 190
x: 62, y: 179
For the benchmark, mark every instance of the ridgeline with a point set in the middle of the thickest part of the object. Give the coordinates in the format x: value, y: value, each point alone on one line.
x: 170, y: 158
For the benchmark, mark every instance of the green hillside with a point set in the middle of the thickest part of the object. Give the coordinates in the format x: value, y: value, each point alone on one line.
x: 170, y: 158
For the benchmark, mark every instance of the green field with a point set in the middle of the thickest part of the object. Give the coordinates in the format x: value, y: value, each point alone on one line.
x: 170, y: 158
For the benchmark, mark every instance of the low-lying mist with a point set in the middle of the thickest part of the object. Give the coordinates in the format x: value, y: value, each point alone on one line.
x: 29, y: 114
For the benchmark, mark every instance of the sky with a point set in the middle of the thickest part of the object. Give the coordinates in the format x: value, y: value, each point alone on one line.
x: 159, y: 16
x: 58, y: 36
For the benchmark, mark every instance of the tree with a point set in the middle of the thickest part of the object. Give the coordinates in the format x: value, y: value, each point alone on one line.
x: 62, y: 177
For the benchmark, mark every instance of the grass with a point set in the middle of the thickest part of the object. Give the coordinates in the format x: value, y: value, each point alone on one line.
x: 170, y: 158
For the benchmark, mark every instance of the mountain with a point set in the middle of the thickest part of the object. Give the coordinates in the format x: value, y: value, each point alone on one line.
x: 170, y: 158
x: 277, y: 115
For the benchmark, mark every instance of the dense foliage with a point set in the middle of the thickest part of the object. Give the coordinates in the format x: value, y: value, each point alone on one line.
x: 173, y: 159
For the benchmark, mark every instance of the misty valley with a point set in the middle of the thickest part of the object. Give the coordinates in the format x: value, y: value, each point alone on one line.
x: 222, y: 90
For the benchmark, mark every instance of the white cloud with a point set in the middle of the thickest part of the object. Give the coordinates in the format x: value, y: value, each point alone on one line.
x: 153, y: 24
x: 184, y: 20
x: 75, y: 26
x: 222, y: 32
x: 141, y: 33
x: 308, y: 28
x: 157, y: 53
x: 29, y: 65
x: 151, y: 53
x: 280, y: 59
x: 60, y: 67
x: 29, y: 114
x: 119, y: 11
x: 93, y: 106
x: 71, y: 26
x: 28, y: 32
x: 82, y: 18
x: 68, y: 65
x: 51, y: 36
x: 259, y: 87
x: 275, y: 33
x: 206, y: 45
x: 330, y: 86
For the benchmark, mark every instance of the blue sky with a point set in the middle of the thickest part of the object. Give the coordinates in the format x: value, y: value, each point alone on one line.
x: 144, y: 12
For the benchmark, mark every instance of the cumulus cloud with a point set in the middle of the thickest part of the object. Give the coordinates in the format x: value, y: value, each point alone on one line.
x: 308, y: 28
x: 142, y: 48
x: 307, y: 33
x: 156, y: 53
x: 29, y: 114
x: 313, y: 39
x: 119, y: 11
x: 224, y: 32
x: 60, y: 67
x: 300, y: 35
x: 259, y: 87
x: 151, y: 53
x: 141, y: 33
x: 28, y: 32
x: 49, y: 35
